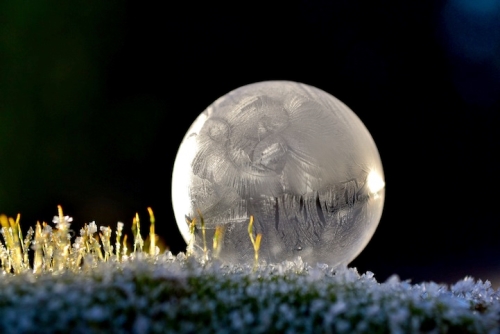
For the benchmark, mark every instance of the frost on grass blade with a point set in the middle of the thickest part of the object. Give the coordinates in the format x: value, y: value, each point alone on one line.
x: 54, y: 252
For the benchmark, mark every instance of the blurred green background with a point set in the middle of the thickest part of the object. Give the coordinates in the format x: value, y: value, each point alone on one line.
x: 96, y: 96
x: 67, y: 134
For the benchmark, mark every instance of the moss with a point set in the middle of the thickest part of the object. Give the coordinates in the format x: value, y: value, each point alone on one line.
x: 157, y: 292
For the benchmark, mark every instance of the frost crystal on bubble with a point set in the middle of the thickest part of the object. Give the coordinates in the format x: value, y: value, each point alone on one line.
x: 291, y: 155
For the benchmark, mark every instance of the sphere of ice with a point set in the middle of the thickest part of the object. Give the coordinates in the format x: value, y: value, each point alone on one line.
x: 292, y: 156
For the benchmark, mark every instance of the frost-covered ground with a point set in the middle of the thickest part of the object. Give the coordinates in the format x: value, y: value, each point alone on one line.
x: 179, y: 294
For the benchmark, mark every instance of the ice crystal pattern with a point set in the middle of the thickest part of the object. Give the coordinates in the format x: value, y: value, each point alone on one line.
x: 292, y: 156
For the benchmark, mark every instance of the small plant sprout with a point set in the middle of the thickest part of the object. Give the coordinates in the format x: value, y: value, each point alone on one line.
x: 105, y: 236
x: 119, y: 229
x: 192, y: 230
x: 205, y: 250
x: 217, y: 241
x: 78, y: 252
x: 124, y: 248
x: 62, y: 239
x: 153, y: 249
x: 136, y: 230
x: 48, y: 247
x: 255, y: 241
x: 93, y: 254
x: 26, y: 245
x: 38, y: 248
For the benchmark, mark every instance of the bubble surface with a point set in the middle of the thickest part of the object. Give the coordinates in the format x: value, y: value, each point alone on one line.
x: 295, y: 158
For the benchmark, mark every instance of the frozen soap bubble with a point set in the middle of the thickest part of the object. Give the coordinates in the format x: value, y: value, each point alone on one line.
x: 295, y: 158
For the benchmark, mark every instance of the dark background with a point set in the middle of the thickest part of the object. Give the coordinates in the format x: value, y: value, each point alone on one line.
x: 96, y: 96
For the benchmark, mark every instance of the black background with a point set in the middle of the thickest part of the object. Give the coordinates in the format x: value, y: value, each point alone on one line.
x: 96, y: 97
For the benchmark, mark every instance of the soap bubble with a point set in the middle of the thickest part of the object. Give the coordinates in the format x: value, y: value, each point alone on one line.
x: 292, y: 156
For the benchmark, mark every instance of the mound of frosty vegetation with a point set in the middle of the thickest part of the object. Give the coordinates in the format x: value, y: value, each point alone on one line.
x: 91, y: 287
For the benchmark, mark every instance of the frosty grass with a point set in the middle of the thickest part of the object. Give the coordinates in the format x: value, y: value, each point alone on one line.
x: 152, y: 292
